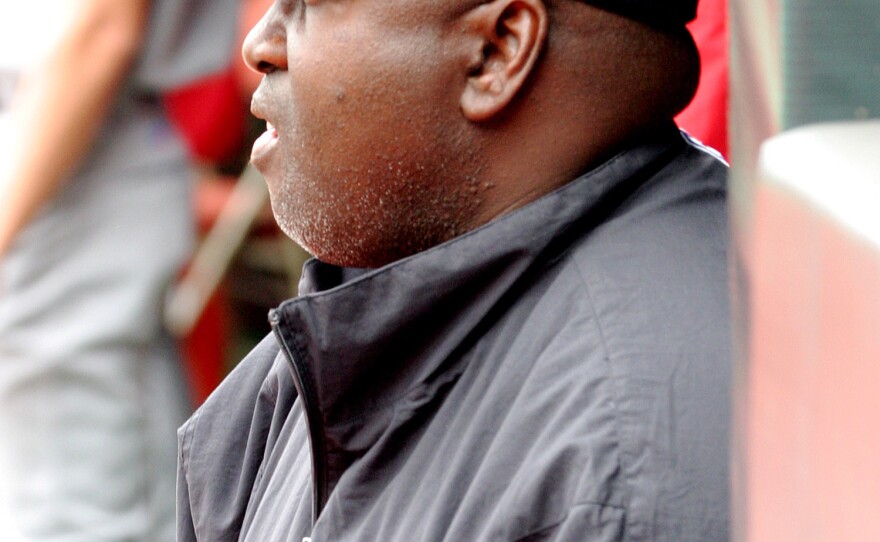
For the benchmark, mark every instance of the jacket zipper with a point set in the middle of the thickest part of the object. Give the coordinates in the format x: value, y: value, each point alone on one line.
x: 313, y: 420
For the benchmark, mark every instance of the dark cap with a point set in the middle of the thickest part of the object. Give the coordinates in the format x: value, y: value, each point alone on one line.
x: 667, y: 14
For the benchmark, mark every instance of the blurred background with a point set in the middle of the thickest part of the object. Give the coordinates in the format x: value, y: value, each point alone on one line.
x: 145, y: 269
x: 805, y: 190
x: 789, y: 95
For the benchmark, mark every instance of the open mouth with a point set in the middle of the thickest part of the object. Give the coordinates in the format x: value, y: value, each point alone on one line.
x: 263, y: 146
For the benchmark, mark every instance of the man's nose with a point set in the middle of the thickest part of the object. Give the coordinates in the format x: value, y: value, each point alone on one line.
x: 265, y: 47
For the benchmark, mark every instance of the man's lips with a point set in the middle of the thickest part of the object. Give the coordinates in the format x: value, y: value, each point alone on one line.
x: 266, y: 142
x: 263, y: 146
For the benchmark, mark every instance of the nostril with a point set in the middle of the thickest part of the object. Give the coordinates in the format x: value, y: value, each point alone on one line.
x: 266, y: 67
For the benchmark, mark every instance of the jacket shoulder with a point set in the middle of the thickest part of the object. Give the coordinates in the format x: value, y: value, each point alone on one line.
x: 654, y: 278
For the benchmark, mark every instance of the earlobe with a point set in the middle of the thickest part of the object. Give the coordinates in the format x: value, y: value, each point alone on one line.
x: 512, y: 34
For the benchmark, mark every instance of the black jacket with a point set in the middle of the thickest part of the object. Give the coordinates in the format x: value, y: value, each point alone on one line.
x: 561, y: 373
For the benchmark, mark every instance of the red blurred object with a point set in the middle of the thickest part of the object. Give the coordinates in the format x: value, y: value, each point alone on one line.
x: 205, y: 348
x: 210, y: 114
x: 706, y: 117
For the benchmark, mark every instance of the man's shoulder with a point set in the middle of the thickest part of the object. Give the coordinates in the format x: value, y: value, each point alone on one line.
x: 646, y: 311
x: 663, y: 254
x: 680, y: 211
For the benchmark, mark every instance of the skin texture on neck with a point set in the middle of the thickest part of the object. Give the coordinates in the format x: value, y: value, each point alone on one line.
x: 400, y: 124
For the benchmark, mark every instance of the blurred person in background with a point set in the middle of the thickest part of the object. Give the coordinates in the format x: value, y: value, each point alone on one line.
x: 95, y: 220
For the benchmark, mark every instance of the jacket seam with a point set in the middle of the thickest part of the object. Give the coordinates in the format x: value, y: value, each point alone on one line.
x: 184, y: 454
x: 186, y: 442
x: 624, y: 485
x: 605, y: 351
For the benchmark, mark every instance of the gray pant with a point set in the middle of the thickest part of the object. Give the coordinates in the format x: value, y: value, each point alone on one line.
x: 90, y: 387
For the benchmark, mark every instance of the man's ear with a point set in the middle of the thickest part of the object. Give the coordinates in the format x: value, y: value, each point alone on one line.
x: 511, y: 34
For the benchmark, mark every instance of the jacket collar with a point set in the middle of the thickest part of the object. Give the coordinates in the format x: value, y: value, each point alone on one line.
x: 372, y: 341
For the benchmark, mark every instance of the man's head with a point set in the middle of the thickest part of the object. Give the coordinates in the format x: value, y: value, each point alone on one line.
x: 399, y: 124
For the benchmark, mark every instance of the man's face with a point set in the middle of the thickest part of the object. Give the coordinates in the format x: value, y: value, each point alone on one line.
x: 367, y: 159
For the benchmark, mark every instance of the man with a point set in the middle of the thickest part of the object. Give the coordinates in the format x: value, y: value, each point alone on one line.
x: 515, y: 327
